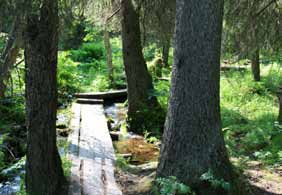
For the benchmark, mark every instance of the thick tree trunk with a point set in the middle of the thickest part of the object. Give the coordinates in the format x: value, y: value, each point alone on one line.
x: 193, y: 141
x: 44, y: 173
x: 108, y: 48
x: 10, y: 52
x: 255, y: 61
x: 139, y: 81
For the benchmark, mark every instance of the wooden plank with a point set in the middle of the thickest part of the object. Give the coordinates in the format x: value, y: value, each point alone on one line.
x: 225, y: 68
x: 118, y: 96
x: 111, y: 185
x: 74, y: 187
x: 89, y: 101
x: 93, y: 168
x: 90, y: 169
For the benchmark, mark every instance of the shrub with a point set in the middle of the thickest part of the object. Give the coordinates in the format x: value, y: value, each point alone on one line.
x: 68, y: 79
x: 148, y: 119
x: 88, y: 52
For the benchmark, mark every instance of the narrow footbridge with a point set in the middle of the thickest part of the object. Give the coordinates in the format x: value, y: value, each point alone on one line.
x: 91, y: 148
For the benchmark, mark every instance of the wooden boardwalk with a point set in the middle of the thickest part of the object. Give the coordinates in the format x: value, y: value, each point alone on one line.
x: 91, y: 153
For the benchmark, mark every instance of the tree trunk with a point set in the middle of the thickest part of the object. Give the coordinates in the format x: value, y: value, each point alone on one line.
x: 139, y: 81
x: 279, y: 94
x: 256, y: 65
x: 193, y: 141
x: 165, y: 50
x: 10, y: 52
x: 44, y: 173
x: 108, y: 48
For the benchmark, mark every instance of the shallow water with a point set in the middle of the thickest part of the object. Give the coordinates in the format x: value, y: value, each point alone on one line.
x: 12, y: 186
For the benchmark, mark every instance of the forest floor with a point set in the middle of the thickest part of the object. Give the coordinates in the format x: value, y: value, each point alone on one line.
x: 262, y: 181
x: 136, y: 173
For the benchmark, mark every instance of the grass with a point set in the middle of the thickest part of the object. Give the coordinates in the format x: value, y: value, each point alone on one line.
x: 249, y: 111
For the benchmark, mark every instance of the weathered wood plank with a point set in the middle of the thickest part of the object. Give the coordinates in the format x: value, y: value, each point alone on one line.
x: 93, y: 167
x: 90, y: 169
x: 89, y: 101
x: 111, y: 186
x: 225, y: 68
x: 74, y: 187
x: 118, y: 96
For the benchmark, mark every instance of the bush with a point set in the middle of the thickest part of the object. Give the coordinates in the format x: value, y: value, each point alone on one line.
x: 273, y: 80
x: 68, y: 79
x: 88, y: 52
x: 12, y: 111
x: 148, y: 119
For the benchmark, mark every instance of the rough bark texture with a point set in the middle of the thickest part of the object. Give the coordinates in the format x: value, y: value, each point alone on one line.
x: 165, y: 50
x: 108, y: 48
x: 44, y: 174
x: 10, y: 52
x: 193, y: 141
x: 256, y: 65
x: 279, y: 94
x: 139, y: 81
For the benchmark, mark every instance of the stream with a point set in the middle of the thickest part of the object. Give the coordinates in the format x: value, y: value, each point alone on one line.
x: 12, y: 184
x: 14, y: 173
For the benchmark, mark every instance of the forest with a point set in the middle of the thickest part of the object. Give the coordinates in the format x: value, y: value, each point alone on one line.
x: 140, y: 97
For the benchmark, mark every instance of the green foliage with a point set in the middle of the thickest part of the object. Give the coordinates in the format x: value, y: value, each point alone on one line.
x: 12, y: 111
x: 2, y: 164
x: 155, y: 67
x: 68, y: 78
x: 22, y: 186
x: 63, y: 146
x: 72, y: 33
x: 93, y: 34
x: 122, y: 163
x: 170, y: 186
x: 149, y: 138
x: 66, y: 164
x: 273, y: 79
x: 150, y: 51
x: 2, y: 41
x: 249, y: 112
x: 2, y: 156
x: 88, y: 52
x: 162, y: 92
x: 215, y: 182
x: 150, y: 119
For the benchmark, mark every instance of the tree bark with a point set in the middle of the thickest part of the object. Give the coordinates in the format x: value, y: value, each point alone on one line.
x: 165, y: 50
x: 139, y: 81
x: 279, y: 94
x: 108, y: 48
x: 255, y: 61
x: 193, y: 141
x: 44, y: 173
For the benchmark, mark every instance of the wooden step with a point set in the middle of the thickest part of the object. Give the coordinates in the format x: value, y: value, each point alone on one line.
x: 116, y: 96
x: 89, y: 101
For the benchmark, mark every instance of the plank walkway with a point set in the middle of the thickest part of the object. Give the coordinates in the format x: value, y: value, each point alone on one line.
x: 91, y: 153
